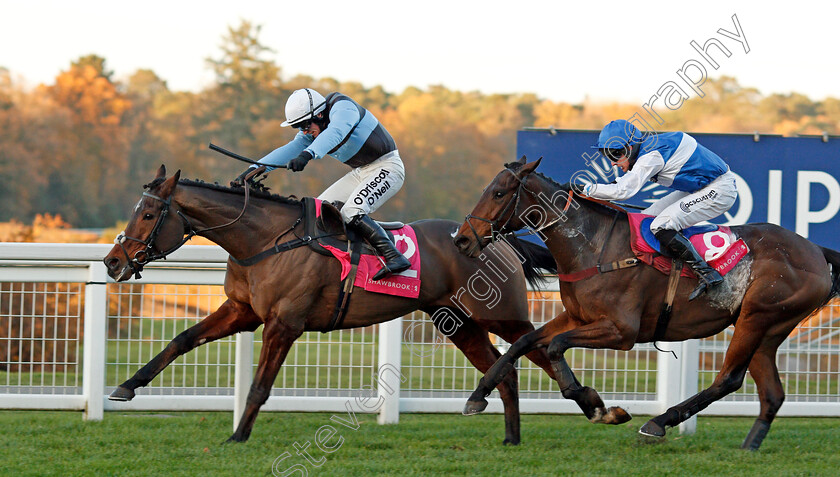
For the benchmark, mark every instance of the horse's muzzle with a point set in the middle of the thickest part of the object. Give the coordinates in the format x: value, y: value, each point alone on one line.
x: 117, y: 269
x: 467, y: 246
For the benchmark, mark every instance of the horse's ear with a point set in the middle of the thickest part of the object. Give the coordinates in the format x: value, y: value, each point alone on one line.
x: 522, y: 159
x: 529, y: 168
x: 169, y: 185
x: 161, y: 173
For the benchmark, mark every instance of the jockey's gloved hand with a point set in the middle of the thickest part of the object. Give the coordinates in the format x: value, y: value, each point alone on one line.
x: 578, y: 188
x: 297, y: 164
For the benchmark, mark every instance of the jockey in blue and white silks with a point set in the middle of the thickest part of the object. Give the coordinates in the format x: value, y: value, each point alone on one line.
x: 340, y: 127
x: 703, y: 185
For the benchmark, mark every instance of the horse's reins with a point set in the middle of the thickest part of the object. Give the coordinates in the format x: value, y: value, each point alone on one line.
x: 571, y: 277
x: 142, y: 257
x: 515, y: 199
x: 494, y: 224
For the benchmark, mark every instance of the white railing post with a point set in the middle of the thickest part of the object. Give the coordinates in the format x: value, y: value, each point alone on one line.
x: 243, y: 373
x: 667, y: 376
x: 93, y: 359
x: 389, y: 374
x: 690, y: 368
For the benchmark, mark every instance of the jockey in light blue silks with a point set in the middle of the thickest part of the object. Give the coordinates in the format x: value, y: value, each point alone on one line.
x: 704, y: 188
x: 338, y: 126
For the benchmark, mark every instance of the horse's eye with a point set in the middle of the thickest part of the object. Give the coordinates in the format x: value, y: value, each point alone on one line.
x: 148, y: 216
x: 499, y: 194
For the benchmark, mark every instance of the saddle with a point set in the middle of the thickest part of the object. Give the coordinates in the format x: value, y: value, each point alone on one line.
x: 323, y: 222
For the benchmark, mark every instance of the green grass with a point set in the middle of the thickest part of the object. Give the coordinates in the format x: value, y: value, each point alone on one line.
x: 189, y: 443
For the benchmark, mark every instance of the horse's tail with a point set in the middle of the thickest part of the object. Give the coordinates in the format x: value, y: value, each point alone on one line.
x: 833, y: 259
x: 536, y: 258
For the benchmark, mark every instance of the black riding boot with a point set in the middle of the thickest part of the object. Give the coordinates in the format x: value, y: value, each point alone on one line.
x: 395, y: 262
x: 683, y: 249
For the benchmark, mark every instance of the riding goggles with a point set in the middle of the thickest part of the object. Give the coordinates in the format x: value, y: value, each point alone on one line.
x: 614, y: 155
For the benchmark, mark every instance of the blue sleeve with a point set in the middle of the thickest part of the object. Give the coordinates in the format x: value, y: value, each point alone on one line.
x: 343, y: 116
x: 282, y: 155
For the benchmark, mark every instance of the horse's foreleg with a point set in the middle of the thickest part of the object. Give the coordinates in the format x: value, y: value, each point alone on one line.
x: 729, y: 379
x: 476, y: 346
x: 511, y: 331
x: 230, y: 318
x: 277, y: 340
x: 503, y: 366
x: 588, y: 399
x: 771, y: 394
x: 600, y: 334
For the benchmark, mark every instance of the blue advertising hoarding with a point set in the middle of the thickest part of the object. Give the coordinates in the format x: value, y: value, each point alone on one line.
x: 788, y: 181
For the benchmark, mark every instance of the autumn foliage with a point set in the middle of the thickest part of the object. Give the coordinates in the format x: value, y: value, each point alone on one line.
x: 83, y: 146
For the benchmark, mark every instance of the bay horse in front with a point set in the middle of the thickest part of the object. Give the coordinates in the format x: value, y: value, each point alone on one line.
x: 275, y: 279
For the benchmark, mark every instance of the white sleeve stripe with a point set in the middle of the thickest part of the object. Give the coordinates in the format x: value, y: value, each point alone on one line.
x: 632, y: 182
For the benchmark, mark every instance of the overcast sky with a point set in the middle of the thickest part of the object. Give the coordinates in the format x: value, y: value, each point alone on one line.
x: 564, y: 51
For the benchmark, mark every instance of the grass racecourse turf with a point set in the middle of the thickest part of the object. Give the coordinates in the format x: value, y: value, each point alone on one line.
x: 190, y: 444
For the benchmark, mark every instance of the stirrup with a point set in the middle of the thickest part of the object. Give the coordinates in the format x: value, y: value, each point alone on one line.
x: 701, y: 289
x: 703, y: 286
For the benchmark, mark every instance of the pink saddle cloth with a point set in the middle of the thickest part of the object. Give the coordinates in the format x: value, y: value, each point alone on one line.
x: 404, y: 284
x: 717, y: 244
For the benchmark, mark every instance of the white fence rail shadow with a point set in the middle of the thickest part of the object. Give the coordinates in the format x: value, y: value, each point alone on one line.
x: 69, y: 335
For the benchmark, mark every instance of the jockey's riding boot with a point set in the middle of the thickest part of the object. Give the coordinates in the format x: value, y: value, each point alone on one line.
x: 683, y: 249
x: 395, y: 262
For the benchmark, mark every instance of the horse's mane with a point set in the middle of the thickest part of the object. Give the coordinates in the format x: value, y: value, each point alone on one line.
x: 259, y: 192
x: 515, y: 166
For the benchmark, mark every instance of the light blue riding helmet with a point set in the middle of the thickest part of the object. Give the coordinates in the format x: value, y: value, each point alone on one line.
x: 618, y: 134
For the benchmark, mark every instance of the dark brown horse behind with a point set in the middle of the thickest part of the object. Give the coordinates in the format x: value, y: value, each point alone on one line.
x: 297, y: 290
x: 784, y: 279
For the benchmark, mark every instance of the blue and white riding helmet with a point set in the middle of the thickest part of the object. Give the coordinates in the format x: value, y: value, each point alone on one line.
x: 618, y: 134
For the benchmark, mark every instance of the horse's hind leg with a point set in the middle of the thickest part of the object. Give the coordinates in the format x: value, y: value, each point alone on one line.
x: 771, y: 394
x: 476, y: 346
x: 748, y: 335
x: 230, y: 318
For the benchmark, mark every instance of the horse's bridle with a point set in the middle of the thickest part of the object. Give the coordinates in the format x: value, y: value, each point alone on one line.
x: 514, y: 201
x: 150, y: 253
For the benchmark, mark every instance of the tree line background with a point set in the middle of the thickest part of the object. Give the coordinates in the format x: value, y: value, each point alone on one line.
x: 81, y: 148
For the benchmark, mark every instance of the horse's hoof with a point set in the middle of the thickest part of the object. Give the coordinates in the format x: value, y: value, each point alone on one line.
x: 756, y: 435
x: 510, y: 442
x: 652, y: 429
x: 122, y: 394
x: 617, y: 415
x: 234, y: 439
x: 614, y: 415
x: 474, y: 407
